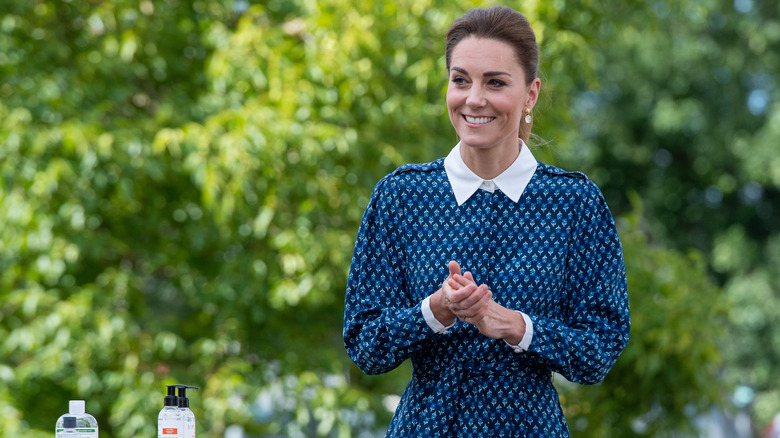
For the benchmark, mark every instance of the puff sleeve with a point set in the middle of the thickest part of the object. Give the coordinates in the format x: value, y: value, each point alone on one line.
x: 587, y: 342
x: 383, y: 326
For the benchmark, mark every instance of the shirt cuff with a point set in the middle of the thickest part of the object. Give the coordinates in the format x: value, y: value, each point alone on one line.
x: 433, y: 323
x: 527, y: 336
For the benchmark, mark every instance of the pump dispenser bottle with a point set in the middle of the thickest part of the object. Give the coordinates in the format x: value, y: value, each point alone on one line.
x: 187, y: 417
x: 169, y: 420
x: 86, y: 425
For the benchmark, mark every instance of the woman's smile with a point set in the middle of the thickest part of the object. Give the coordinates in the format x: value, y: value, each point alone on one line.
x: 475, y: 120
x: 486, y: 96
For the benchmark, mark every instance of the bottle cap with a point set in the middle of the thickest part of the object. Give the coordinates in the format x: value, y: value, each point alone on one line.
x: 76, y: 407
x: 183, y: 400
x: 170, y: 399
x: 69, y: 422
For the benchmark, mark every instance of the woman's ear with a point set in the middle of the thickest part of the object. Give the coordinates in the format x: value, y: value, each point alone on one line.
x: 533, y: 93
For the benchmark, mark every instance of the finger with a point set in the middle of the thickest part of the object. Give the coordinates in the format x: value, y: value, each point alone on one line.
x: 460, y: 279
x: 477, y: 311
x: 469, y: 276
x: 474, y: 315
x: 454, y: 268
x: 454, y: 293
x: 476, y: 298
x: 453, y: 284
x: 456, y: 296
x: 484, y: 307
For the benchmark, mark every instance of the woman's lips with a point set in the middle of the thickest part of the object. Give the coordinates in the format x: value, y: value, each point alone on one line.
x: 482, y: 120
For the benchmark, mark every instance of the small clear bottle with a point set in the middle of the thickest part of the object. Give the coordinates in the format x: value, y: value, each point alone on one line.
x: 169, y: 424
x: 187, y: 416
x: 86, y: 424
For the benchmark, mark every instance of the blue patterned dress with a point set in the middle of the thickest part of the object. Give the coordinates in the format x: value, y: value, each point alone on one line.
x: 554, y: 255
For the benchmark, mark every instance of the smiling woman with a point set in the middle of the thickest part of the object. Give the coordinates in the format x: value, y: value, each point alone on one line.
x: 489, y: 270
x: 487, y: 97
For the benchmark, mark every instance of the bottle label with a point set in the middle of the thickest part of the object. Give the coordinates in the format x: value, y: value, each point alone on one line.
x: 78, y: 429
x: 170, y: 431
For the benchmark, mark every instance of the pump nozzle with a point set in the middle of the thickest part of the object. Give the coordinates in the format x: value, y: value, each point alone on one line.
x: 170, y: 399
x: 183, y: 400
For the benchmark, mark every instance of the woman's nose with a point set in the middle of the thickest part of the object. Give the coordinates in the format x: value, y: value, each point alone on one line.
x: 476, y: 97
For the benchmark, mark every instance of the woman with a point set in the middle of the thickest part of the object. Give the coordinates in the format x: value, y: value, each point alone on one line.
x: 489, y: 270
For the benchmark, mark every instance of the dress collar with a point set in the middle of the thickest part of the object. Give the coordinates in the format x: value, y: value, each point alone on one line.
x: 511, y: 182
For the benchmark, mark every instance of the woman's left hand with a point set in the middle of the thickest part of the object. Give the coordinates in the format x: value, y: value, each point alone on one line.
x: 494, y: 320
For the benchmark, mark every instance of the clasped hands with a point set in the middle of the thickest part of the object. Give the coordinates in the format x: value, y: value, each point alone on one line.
x: 460, y: 297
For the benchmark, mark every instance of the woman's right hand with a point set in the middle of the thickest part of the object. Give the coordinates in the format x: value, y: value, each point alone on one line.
x: 460, y: 297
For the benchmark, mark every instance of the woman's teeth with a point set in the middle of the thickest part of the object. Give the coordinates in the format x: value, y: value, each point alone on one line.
x: 479, y: 120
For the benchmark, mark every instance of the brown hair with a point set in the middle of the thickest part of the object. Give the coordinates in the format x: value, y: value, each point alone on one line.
x: 502, y: 24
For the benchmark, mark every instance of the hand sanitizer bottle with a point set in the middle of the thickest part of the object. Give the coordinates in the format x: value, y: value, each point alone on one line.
x: 169, y: 421
x: 86, y: 425
x: 187, y: 417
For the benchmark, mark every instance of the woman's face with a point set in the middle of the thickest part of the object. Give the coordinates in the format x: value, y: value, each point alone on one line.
x: 487, y: 93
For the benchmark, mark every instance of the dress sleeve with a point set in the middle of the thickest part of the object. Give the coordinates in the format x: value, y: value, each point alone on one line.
x: 594, y: 330
x: 382, y: 325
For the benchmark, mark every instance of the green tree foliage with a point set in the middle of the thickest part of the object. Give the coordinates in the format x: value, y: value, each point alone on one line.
x: 670, y: 330
x: 182, y: 183
x: 686, y: 116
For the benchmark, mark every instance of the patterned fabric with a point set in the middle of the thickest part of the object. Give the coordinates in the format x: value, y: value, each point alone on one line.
x: 554, y: 255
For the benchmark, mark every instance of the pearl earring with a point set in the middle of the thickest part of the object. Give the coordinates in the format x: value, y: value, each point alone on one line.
x: 528, y: 115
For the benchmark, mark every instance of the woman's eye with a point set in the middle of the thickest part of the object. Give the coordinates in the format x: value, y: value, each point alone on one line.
x: 458, y: 80
x: 496, y: 83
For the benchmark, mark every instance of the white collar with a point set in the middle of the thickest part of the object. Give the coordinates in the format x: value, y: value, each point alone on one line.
x: 511, y: 182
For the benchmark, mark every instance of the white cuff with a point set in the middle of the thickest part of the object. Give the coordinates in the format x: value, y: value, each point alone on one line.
x: 527, y: 336
x: 434, y: 323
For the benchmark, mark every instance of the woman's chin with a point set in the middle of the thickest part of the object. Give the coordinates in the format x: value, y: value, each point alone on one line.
x: 477, y: 141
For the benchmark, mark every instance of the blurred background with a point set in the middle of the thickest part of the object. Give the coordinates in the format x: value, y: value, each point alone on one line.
x: 182, y: 181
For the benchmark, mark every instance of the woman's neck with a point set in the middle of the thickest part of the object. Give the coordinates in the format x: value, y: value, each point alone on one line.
x: 488, y: 163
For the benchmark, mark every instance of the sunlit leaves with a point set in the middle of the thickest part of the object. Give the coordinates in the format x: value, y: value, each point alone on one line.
x: 181, y: 183
x: 685, y: 117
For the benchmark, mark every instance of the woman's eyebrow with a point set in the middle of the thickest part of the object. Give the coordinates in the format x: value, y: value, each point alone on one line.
x: 487, y: 73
